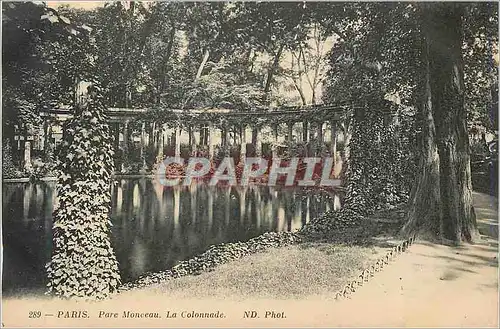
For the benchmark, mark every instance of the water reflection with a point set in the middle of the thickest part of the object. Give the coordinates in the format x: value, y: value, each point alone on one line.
x: 153, y: 226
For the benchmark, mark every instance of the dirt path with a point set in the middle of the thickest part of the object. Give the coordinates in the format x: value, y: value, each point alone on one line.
x: 430, y: 285
x: 435, y: 285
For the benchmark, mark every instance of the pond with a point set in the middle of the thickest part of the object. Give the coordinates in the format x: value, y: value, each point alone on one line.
x: 153, y: 226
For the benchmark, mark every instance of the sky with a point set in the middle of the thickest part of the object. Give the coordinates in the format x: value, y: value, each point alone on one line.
x: 76, y: 4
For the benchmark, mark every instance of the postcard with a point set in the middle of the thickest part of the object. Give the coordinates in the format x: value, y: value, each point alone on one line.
x: 249, y: 164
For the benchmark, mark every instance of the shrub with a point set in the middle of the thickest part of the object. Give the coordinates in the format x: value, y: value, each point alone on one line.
x: 9, y: 169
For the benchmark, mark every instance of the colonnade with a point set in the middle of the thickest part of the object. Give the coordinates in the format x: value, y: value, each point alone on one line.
x: 205, y: 133
x: 206, y: 137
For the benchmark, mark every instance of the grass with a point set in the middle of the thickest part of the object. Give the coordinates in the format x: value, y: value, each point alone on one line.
x: 293, y: 272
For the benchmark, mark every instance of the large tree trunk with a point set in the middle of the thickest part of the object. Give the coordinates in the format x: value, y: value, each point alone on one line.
x: 424, y: 212
x: 442, y: 198
x: 447, y: 85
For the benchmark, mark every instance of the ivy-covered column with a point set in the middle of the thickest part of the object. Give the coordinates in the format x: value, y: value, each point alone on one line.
x: 83, y: 263
x: 290, y: 132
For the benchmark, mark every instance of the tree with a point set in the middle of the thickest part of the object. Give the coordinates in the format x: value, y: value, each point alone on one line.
x: 307, y: 65
x: 83, y: 263
x: 41, y: 59
x: 418, y: 57
x: 443, y: 198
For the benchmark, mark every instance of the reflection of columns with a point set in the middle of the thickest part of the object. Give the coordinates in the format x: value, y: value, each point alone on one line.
x: 333, y: 146
x: 177, y: 204
x: 28, y: 191
x: 211, y: 192
x: 48, y: 209
x: 243, y: 196
x: 210, y: 140
x: 227, y: 203
x: 243, y: 139
x: 193, y: 194
x: 258, y: 207
x: 177, y: 141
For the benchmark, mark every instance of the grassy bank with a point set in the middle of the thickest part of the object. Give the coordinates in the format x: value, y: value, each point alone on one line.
x: 292, y: 272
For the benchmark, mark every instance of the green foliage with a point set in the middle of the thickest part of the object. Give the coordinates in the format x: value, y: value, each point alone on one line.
x: 380, y: 168
x: 41, y: 56
x: 480, y: 67
x: 9, y: 168
x: 83, y: 263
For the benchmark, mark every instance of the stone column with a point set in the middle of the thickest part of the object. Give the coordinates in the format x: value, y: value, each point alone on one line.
x: 258, y: 143
x: 320, y: 132
x: 210, y: 140
x: 333, y: 146
x: 210, y: 201
x: 125, y: 137
x: 43, y: 135
x: 27, y: 155
x: 153, y: 137
x: 225, y: 141
x: 177, y: 141
x: 192, y: 140
x: 243, y: 139
x: 275, y: 141
x: 243, y: 196
x: 305, y: 135
x: 143, y: 144
x: 161, y: 142
x: 116, y: 136
x: 319, y: 145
